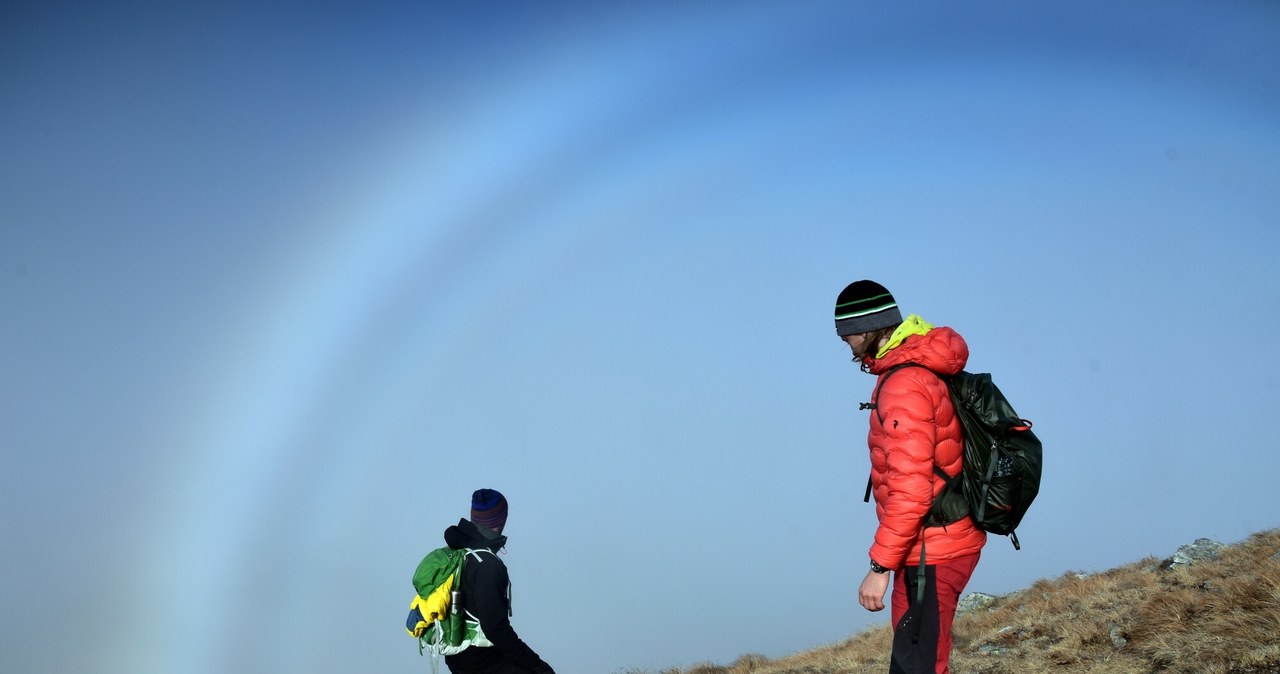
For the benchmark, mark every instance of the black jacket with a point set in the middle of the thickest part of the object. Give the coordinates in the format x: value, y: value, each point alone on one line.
x: 486, y: 592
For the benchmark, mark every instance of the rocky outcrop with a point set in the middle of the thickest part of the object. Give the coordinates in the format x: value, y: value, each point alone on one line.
x: 1201, y: 549
x: 974, y: 601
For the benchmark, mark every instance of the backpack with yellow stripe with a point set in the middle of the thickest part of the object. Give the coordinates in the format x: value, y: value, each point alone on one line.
x: 437, y: 615
x: 437, y: 580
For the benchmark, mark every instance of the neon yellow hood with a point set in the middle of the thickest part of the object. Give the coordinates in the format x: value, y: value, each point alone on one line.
x: 914, y: 325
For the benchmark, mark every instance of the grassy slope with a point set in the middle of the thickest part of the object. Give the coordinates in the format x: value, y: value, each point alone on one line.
x: 1219, y: 616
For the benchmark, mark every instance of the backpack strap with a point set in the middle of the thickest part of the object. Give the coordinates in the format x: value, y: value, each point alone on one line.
x: 922, y: 579
x: 986, y: 485
x: 952, y: 482
x: 914, y: 616
x: 475, y: 552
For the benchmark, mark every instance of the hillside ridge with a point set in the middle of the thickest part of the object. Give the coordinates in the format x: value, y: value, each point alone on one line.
x: 1210, y: 608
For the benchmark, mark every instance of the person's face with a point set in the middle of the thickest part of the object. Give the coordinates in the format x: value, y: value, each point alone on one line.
x: 859, y: 344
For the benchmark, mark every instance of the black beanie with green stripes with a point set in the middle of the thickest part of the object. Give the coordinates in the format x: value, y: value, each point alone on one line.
x: 865, y: 306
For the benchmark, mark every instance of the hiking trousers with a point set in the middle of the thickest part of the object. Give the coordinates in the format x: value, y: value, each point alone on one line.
x: 498, y: 667
x: 922, y: 634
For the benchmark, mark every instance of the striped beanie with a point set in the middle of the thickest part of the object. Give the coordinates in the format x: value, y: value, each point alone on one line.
x: 489, y: 509
x: 865, y: 306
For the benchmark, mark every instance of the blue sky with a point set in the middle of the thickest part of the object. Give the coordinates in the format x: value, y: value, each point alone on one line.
x: 281, y: 286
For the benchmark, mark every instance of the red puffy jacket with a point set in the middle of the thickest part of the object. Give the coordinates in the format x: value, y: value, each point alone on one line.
x: 914, y: 426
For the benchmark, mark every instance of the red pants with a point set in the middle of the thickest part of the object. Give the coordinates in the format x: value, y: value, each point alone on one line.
x: 922, y: 634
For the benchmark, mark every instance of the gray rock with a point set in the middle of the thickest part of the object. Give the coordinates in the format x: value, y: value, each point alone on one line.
x: 974, y: 601
x: 1189, y: 554
x: 1117, y: 638
x: 1010, y: 629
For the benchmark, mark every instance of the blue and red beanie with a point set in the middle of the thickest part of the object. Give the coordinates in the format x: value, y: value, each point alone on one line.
x: 489, y: 509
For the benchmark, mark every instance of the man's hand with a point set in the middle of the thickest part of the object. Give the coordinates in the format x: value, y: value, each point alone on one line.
x: 871, y: 594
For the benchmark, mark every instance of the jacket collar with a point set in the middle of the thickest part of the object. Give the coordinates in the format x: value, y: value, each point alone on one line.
x: 465, y: 534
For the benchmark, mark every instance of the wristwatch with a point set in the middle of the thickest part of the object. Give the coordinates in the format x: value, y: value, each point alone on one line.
x: 876, y: 568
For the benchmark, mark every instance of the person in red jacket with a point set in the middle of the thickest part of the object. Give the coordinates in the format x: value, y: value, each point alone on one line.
x: 913, y: 428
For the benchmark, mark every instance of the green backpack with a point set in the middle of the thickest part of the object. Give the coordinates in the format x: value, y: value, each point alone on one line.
x: 437, y: 614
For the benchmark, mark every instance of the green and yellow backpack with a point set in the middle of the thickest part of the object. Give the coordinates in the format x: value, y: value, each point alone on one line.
x: 437, y: 615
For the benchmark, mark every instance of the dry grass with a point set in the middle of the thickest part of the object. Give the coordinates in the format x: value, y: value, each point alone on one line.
x: 1219, y: 616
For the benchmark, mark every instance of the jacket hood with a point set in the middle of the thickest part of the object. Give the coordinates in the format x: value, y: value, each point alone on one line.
x: 942, y: 350
x: 465, y: 534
